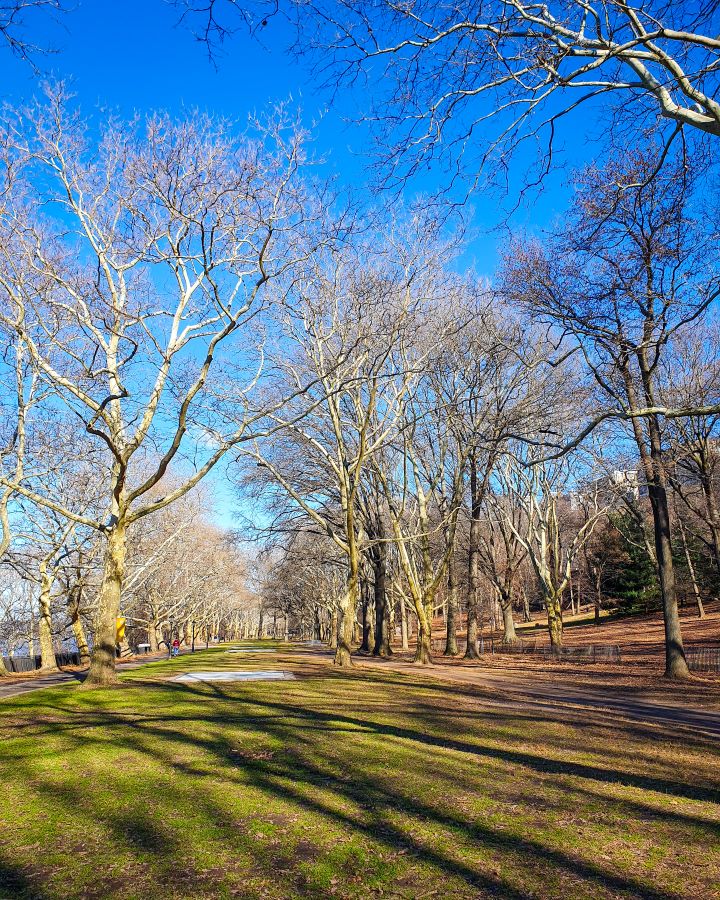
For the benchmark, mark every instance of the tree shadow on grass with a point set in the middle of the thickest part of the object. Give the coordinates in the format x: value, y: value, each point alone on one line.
x: 544, y: 765
x: 305, y: 775
x: 295, y: 780
x: 16, y: 884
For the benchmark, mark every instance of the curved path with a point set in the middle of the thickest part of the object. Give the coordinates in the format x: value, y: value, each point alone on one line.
x: 495, y: 688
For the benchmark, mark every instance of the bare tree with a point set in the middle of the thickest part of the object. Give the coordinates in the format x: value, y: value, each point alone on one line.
x: 470, y: 83
x: 692, y: 376
x: 623, y: 278
x: 353, y: 312
x: 18, y: 22
x: 153, y: 254
x: 541, y: 488
x: 502, y: 553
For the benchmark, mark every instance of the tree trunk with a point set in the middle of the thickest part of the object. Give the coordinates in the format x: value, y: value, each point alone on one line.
x: 348, y: 605
x: 654, y: 468
x: 365, y: 607
x: 404, y: 640
x: 509, y: 634
x: 334, y: 629
x: 77, y: 626
x: 48, y: 663
x: 471, y: 650
x: 691, y: 569
x: 423, y: 648
x: 153, y: 639
x: 555, y: 624
x: 382, y: 613
x: 675, y: 662
x: 371, y: 626
x: 526, y: 607
x: 451, y: 647
x: 713, y: 519
x: 102, y: 662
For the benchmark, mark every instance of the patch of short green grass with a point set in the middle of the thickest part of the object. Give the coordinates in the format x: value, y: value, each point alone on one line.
x: 347, y: 784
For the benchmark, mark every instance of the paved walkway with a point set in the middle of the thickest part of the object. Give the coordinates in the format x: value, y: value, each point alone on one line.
x: 13, y: 688
x: 492, y: 688
x: 531, y: 694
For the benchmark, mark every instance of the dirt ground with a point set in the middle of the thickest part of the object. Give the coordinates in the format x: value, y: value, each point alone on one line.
x: 640, y: 640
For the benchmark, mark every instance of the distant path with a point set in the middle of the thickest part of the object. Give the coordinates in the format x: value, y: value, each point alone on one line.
x: 530, y: 694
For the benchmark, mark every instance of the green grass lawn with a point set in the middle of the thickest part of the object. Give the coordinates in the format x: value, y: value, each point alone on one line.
x: 365, y: 784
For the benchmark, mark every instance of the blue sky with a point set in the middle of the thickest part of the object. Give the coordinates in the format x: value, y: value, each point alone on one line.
x: 133, y: 57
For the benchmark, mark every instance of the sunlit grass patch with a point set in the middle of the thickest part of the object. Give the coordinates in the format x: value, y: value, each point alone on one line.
x: 359, y: 784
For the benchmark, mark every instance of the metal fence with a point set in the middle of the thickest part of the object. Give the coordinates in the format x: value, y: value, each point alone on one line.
x: 590, y: 653
x: 703, y: 659
x: 519, y: 645
x: 30, y: 663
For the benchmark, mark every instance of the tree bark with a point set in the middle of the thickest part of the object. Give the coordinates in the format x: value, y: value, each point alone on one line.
x: 451, y: 647
x: 713, y: 519
x: 334, y: 629
x: 77, y: 625
x: 509, y: 633
x: 555, y: 623
x: 382, y: 613
x: 365, y: 608
x: 48, y: 662
x: 471, y: 651
x: 348, y: 605
x: 654, y: 467
x: 526, y: 607
x: 691, y: 570
x: 423, y: 648
x: 102, y: 662
x: 404, y: 642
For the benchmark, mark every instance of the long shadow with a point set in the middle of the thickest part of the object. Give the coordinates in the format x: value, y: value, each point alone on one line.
x: 15, y: 884
x: 273, y: 778
x: 637, y: 708
x: 288, y: 778
x: 314, y: 718
x: 517, y: 757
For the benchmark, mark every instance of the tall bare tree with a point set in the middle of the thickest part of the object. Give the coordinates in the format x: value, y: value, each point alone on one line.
x: 622, y: 278
x: 543, y: 491
x: 147, y: 270
x: 353, y: 313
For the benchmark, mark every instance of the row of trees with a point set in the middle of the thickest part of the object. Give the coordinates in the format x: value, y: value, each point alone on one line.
x: 135, y: 275
x: 185, y: 579
x: 574, y: 399
x: 172, y: 292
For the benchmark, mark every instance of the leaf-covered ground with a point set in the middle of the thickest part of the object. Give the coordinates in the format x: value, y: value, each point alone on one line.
x: 362, y: 784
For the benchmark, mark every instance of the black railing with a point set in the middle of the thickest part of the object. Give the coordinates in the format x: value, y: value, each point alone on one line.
x: 31, y: 663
